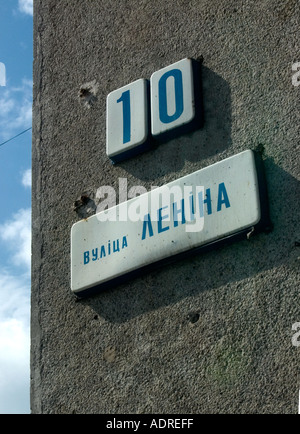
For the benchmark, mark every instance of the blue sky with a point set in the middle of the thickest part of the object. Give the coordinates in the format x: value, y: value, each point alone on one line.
x: 16, y: 42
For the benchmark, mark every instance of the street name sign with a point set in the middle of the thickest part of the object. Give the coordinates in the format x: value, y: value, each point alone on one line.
x: 211, y: 205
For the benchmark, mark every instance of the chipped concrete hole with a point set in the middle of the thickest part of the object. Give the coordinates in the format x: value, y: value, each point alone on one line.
x: 88, y: 93
x: 85, y: 206
x: 193, y: 317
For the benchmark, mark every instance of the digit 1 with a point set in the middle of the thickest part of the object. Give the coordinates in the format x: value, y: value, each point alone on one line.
x: 125, y: 99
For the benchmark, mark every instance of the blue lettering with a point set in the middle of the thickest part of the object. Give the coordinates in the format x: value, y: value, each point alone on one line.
x: 124, y: 242
x: 116, y: 247
x: 147, y: 224
x: 102, y: 252
x: 160, y: 219
x: 222, y: 197
x: 206, y: 201
x: 177, y: 211
x: 125, y: 99
x: 192, y: 210
x: 95, y: 254
x: 86, y: 258
x: 163, y: 103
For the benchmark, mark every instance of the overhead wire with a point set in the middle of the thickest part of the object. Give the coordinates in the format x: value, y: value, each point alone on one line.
x: 12, y: 138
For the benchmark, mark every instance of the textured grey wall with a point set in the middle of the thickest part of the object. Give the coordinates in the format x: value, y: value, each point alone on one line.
x: 210, y: 334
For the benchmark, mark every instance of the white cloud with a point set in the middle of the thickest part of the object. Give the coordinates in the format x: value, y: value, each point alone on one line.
x: 14, y: 363
x: 26, y: 178
x: 15, y: 244
x: 15, y: 109
x: 14, y: 344
x: 14, y: 297
x: 7, y: 105
x: 26, y: 6
x: 15, y: 235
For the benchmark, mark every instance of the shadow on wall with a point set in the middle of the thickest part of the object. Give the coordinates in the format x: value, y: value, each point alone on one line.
x: 164, y: 158
x: 168, y: 157
x: 231, y: 264
x: 214, y: 137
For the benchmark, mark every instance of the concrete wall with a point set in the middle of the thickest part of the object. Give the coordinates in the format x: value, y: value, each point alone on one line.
x: 208, y: 334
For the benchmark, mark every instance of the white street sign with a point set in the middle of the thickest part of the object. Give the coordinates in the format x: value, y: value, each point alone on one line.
x: 204, y: 207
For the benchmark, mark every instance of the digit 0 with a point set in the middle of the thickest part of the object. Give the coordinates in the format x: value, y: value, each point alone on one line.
x: 174, y: 76
x: 175, y: 97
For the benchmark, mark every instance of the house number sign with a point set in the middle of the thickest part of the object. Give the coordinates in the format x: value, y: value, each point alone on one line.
x: 167, y: 106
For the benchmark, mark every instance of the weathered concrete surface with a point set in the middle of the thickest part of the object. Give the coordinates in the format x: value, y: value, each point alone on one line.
x: 211, y: 334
